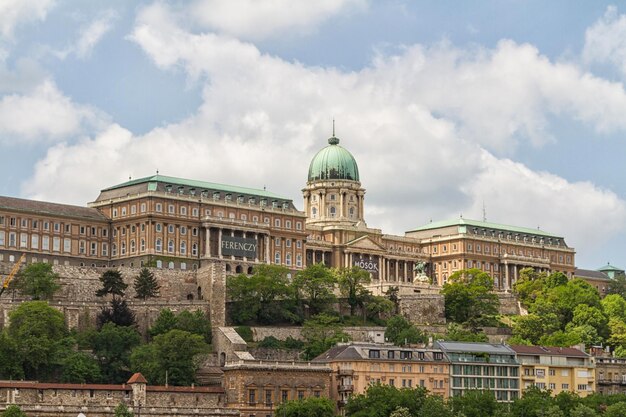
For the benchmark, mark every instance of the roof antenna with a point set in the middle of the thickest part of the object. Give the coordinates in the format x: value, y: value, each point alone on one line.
x: 130, y: 177
x: 157, y: 171
x: 333, y: 127
x: 264, y: 188
x: 484, y: 212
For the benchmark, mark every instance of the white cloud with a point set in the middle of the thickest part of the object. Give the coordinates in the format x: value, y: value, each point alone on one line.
x: 88, y: 37
x: 605, y: 40
x: 15, y: 12
x: 426, y: 126
x: 514, y: 193
x: 43, y: 114
x: 257, y: 19
x: 93, y: 33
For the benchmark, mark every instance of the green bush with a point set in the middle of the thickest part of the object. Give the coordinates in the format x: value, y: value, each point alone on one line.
x: 245, y: 332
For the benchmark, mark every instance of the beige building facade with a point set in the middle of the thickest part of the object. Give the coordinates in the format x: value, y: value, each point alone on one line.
x: 356, y: 366
x: 176, y: 223
x: 557, y: 369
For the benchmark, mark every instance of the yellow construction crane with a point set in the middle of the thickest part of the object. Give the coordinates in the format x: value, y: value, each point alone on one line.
x: 9, y: 277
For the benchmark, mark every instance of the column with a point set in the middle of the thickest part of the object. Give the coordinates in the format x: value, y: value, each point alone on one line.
x: 267, y: 248
x: 342, y: 196
x: 219, y: 243
x: 232, y: 234
x: 306, y: 202
x: 207, y: 243
x: 345, y: 259
x: 245, y: 259
x: 322, y: 205
x: 405, y: 271
x: 381, y: 263
x: 397, y: 270
x: 515, y: 272
x: 506, y: 276
x: 256, y: 254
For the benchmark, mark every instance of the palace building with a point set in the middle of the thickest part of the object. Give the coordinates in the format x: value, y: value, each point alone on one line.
x: 175, y: 223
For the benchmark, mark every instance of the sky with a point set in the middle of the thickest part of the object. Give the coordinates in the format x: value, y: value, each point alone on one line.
x: 511, y: 110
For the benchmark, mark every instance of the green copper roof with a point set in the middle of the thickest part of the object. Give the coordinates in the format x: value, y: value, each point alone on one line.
x: 482, y: 225
x: 333, y: 163
x: 200, y: 185
x: 609, y: 267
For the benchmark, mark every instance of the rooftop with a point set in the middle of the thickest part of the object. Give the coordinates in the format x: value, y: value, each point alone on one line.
x: 475, y: 347
x: 590, y: 273
x: 549, y: 350
x: 52, y: 209
x: 201, y: 185
x: 483, y: 225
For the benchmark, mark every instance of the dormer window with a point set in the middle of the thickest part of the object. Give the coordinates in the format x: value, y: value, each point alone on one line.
x: 251, y: 201
x: 228, y: 197
x: 216, y: 195
x: 192, y: 191
x: 240, y: 199
x: 181, y: 190
x: 168, y: 188
x: 274, y: 204
x: 263, y: 202
x: 205, y: 193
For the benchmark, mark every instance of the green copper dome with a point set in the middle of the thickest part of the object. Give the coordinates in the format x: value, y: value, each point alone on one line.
x: 333, y: 163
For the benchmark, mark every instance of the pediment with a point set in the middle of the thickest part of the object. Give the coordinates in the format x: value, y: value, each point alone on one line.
x: 364, y: 243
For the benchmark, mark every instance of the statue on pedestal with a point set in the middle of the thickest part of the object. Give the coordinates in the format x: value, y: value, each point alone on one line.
x: 420, y: 273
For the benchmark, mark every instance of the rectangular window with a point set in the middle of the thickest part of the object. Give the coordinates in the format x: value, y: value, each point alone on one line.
x: 12, y: 221
x: 45, y: 243
x: 24, y: 223
x: 288, y: 243
x: 67, y: 245
x: 81, y: 247
x: 56, y: 244
x: 12, y: 239
x: 1, y: 220
x: 34, y: 242
x: 1, y: 238
x: 284, y: 395
x: 251, y: 396
x: 374, y: 353
x: 68, y: 228
x: 82, y: 230
x: 105, y: 249
x: 93, y: 249
x: 23, y: 240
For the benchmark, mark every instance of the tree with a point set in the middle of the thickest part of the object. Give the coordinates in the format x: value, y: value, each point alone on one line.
x: 315, y: 285
x: 13, y: 411
x: 165, y: 322
x: 615, y: 410
x: 618, y: 285
x: 382, y: 400
x: 38, y: 281
x: 10, y: 358
x: 469, y: 298
x: 146, y: 285
x: 392, y: 295
x: 351, y: 284
x: 582, y: 410
x: 80, y: 368
x: 400, y: 332
x: 321, y: 333
x: 112, y: 346
x: 457, y: 333
x: 307, y: 407
x: 118, y: 313
x: 193, y: 322
x: 533, y: 403
x: 532, y: 327
x: 122, y: 411
x: 264, y: 297
x: 172, y: 353
x: 475, y: 403
x: 112, y: 283
x: 39, y: 333
x: 377, y: 307
x: 614, y: 306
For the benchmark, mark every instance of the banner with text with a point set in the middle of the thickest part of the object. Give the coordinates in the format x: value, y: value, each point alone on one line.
x: 239, y: 246
x: 370, y: 265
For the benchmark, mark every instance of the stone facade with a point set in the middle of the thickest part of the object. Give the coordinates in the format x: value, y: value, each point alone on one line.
x: 257, y: 387
x: 68, y: 400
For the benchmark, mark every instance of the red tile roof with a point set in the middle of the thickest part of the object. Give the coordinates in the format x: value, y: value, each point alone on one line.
x: 137, y: 378
x: 548, y: 350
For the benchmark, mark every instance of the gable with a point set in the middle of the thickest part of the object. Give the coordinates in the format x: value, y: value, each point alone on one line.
x: 364, y: 243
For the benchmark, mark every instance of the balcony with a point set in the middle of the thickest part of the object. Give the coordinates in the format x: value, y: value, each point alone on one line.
x: 611, y: 382
x: 345, y: 388
x: 345, y: 372
x: 342, y: 403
